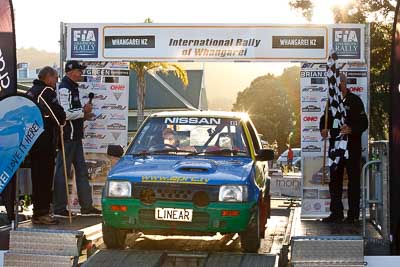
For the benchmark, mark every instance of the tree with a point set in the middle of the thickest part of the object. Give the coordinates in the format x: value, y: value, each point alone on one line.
x: 382, y: 13
x: 273, y: 103
x: 141, y: 68
x: 305, y: 6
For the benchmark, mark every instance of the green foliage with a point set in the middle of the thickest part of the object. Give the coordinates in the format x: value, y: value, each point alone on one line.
x: 381, y: 13
x: 305, y: 6
x: 273, y: 103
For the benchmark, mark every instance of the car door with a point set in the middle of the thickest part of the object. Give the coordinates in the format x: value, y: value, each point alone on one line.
x: 261, y: 167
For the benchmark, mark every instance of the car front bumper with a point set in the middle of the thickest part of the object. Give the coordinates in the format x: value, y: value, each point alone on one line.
x: 141, y: 217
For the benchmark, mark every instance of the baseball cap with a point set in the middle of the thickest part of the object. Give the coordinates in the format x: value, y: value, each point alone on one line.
x: 73, y: 65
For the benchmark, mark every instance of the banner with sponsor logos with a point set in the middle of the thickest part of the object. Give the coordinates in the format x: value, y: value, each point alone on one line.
x: 8, y: 58
x: 314, y: 90
x: 109, y: 82
x: 213, y: 42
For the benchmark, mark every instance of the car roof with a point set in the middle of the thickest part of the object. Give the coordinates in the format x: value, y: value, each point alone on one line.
x: 203, y: 113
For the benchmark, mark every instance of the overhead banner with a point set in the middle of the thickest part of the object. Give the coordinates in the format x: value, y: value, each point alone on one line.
x: 314, y: 92
x: 21, y: 124
x: 8, y: 58
x: 213, y: 42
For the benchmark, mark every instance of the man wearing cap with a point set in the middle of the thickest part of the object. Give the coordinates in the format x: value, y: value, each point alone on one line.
x: 73, y: 134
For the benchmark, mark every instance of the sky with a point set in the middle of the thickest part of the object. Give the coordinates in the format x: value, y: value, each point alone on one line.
x: 38, y: 25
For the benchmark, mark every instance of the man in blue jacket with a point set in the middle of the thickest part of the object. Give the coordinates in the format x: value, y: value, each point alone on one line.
x: 73, y: 134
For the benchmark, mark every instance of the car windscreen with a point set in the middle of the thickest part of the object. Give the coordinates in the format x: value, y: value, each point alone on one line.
x: 191, y: 135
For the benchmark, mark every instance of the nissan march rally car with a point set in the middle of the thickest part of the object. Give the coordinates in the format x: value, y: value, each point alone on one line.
x: 189, y: 173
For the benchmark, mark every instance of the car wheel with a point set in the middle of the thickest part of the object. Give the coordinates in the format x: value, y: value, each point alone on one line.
x: 250, y: 238
x: 114, y: 238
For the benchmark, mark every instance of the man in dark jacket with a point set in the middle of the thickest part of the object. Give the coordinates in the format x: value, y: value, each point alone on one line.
x: 356, y: 122
x: 73, y: 134
x: 43, y: 152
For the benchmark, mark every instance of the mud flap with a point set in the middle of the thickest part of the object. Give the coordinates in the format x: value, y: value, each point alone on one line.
x: 264, y: 213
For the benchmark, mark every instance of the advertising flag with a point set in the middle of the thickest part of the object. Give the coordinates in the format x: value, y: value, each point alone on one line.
x: 21, y: 124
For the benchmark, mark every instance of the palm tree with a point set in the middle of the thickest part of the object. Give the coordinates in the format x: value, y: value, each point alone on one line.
x: 141, y: 68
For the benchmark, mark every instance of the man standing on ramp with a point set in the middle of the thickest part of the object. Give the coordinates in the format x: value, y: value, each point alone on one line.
x: 346, y: 123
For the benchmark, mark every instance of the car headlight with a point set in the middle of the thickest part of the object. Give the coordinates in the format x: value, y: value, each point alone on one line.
x: 119, y: 189
x: 233, y: 193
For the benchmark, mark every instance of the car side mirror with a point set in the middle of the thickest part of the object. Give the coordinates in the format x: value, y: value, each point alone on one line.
x: 265, y: 155
x: 115, y: 151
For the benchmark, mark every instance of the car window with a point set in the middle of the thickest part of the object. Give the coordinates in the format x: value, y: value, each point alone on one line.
x: 190, y: 135
x: 254, y: 136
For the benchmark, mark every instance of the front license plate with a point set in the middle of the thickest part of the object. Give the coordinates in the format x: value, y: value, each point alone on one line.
x: 171, y: 214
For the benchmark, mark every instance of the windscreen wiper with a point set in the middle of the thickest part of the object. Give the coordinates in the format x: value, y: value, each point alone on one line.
x: 219, y: 152
x: 160, y: 152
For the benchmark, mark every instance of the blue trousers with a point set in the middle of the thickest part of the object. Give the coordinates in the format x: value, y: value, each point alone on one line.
x: 73, y: 155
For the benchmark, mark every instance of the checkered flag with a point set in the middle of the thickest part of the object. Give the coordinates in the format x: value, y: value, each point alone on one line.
x: 337, y: 149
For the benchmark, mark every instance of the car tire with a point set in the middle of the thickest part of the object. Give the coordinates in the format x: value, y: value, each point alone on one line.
x: 114, y: 238
x: 250, y: 238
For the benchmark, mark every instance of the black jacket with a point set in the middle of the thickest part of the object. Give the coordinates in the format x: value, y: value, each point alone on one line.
x: 356, y: 119
x: 48, y: 139
x: 68, y: 94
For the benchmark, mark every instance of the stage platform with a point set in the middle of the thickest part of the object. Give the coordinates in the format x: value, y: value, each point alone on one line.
x: 312, y: 240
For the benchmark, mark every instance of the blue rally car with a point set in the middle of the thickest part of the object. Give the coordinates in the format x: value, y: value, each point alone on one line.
x: 189, y: 173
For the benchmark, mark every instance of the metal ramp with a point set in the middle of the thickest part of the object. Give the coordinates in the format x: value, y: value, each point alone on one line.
x: 125, y: 258
x: 327, y: 251
x: 42, y: 247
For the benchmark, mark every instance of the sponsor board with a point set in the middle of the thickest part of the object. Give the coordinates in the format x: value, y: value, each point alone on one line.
x: 117, y: 116
x: 311, y: 108
x: 310, y: 129
x: 311, y: 139
x: 116, y: 135
x: 96, y: 126
x: 116, y: 126
x: 315, y: 89
x: 309, y: 99
x: 311, y: 148
x: 117, y: 95
x: 113, y: 107
x: 118, y: 87
x: 311, y: 119
x: 94, y: 135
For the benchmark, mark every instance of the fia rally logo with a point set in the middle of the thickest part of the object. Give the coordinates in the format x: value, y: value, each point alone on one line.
x: 84, y: 42
x: 347, y: 42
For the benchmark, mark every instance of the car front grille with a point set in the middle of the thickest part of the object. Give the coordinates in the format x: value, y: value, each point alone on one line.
x: 200, y: 195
